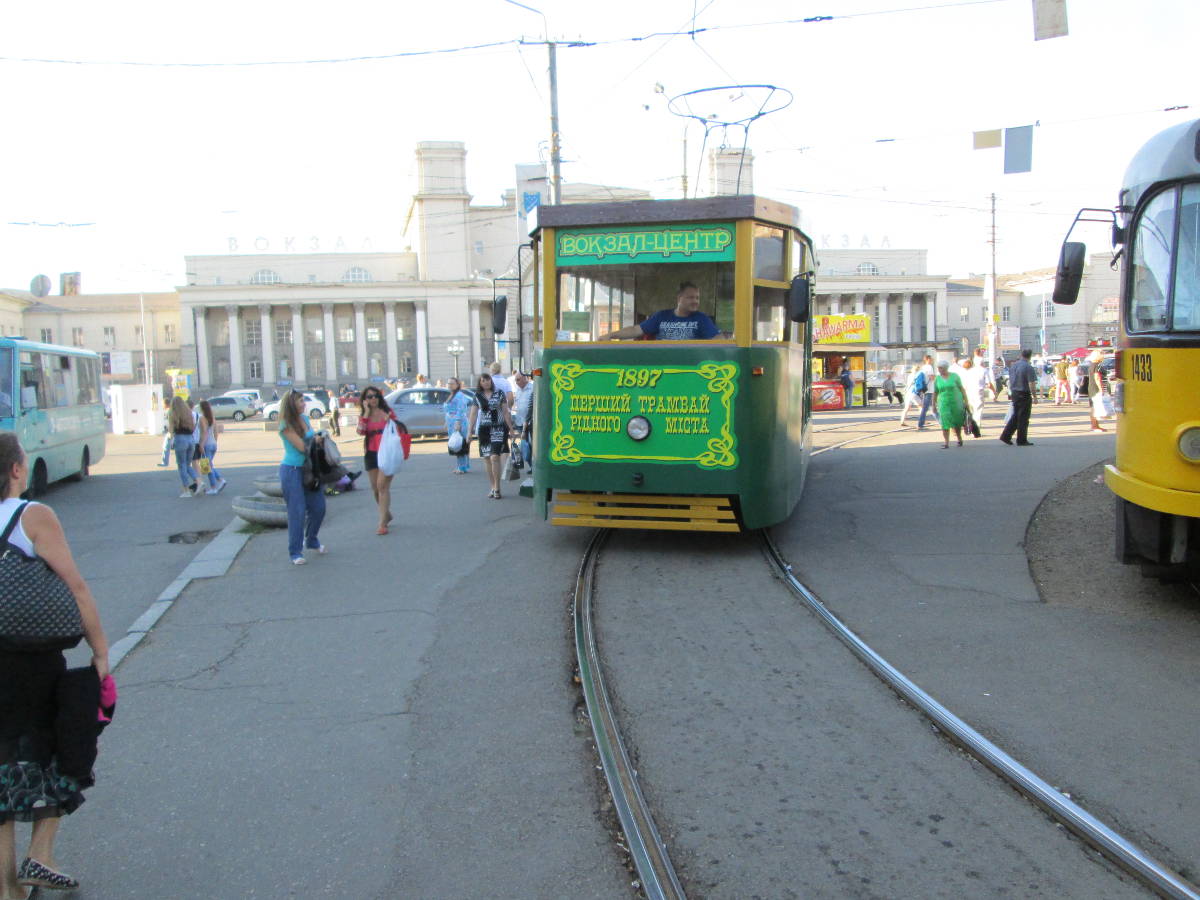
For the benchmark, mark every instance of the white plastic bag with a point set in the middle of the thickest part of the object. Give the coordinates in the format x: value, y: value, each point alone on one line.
x: 391, y: 452
x: 455, y: 441
x: 1102, y: 406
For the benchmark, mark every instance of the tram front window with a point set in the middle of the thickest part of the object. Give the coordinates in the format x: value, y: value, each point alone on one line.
x: 607, y: 302
x: 1185, y: 303
x: 1152, y: 265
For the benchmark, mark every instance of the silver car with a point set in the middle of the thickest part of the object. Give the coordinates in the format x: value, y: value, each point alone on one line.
x: 236, y: 408
x: 420, y: 409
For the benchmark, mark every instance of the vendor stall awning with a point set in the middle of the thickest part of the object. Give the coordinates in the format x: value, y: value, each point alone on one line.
x: 846, y: 348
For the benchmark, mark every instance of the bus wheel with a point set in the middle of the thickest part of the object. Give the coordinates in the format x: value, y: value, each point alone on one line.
x: 40, y: 482
x: 85, y: 464
x: 1124, y: 548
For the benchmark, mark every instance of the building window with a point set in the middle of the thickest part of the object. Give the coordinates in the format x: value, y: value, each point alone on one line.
x: 345, y: 330
x: 314, y: 331
x: 255, y: 370
x: 875, y: 320
x: 356, y: 274
x: 1006, y: 314
x: 265, y: 276
x: 406, y: 364
x: 983, y: 314
x: 374, y: 329
x: 77, y: 337
x: 253, y: 331
x: 900, y: 319
x: 346, y: 366
x: 375, y: 363
x: 399, y: 332
x: 283, y: 331
x: 47, y: 336
x: 867, y: 268
x: 169, y: 333
x: 285, y: 367
x: 1053, y: 344
x: 964, y: 314
x: 137, y: 334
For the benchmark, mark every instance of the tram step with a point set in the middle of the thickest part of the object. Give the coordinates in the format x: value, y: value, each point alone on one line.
x: 658, y: 512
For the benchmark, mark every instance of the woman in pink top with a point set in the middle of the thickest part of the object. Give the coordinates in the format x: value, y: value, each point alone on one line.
x: 373, y: 416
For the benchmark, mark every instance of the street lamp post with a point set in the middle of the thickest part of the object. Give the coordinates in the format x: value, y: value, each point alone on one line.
x: 456, y: 350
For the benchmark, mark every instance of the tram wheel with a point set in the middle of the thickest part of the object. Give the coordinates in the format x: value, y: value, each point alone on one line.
x: 1122, y: 544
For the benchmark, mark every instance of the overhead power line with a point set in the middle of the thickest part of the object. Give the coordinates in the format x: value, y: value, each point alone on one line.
x: 565, y: 44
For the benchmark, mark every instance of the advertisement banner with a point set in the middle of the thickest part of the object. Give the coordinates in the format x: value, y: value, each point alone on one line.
x: 689, y: 411
x: 853, y: 329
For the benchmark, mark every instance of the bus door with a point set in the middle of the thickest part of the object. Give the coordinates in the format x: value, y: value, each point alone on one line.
x: 33, y: 425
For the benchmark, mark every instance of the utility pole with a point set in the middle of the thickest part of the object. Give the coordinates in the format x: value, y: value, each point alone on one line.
x: 991, y: 298
x: 555, y: 150
x: 683, y: 177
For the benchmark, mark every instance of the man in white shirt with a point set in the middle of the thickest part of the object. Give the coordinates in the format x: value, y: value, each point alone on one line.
x: 500, y: 382
x: 523, y: 414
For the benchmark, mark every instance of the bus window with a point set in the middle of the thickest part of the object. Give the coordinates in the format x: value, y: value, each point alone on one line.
x: 6, y: 382
x: 597, y: 300
x: 770, y: 314
x: 1151, y: 262
x: 54, y: 378
x: 1185, y: 303
x: 33, y: 392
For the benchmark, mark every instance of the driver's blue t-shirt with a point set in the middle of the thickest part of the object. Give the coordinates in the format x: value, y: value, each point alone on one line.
x: 669, y: 327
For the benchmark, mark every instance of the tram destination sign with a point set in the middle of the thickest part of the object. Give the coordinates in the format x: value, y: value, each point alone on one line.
x: 710, y: 242
x: 689, y: 410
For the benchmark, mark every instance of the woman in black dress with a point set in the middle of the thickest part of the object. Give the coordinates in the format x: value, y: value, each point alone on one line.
x: 31, y: 787
x: 491, y: 422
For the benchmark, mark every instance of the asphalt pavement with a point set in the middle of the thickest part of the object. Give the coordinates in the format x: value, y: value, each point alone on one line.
x: 398, y: 719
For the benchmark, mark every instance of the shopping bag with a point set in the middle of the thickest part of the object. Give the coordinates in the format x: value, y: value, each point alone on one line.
x: 391, y: 453
x: 204, y: 465
x: 1102, y: 406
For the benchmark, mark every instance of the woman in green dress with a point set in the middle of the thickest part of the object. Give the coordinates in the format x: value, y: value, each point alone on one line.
x: 950, y: 397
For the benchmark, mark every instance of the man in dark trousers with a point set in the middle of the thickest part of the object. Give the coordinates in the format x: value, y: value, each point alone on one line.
x: 1022, y: 388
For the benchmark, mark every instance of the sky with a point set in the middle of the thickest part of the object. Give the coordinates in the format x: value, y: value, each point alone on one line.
x: 118, y: 171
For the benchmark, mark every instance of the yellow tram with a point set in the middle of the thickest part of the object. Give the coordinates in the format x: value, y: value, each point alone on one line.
x: 1156, y: 476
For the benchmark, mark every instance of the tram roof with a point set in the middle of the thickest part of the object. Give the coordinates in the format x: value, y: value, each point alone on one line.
x: 651, y: 212
x: 1170, y: 154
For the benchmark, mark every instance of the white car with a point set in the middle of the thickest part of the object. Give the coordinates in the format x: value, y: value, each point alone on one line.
x: 313, y: 408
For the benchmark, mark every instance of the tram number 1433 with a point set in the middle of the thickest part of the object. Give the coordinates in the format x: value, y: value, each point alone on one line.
x: 1140, y: 369
x: 638, y: 377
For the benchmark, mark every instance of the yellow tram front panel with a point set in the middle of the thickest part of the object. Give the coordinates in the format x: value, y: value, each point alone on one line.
x: 1155, y: 410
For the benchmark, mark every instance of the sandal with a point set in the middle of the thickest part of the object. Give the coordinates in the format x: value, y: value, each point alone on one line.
x: 32, y: 873
x: 382, y: 530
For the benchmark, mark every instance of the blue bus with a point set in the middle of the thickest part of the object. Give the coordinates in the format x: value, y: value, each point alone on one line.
x: 50, y: 397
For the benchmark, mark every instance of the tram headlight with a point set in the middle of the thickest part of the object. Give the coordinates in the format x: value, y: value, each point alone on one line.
x: 638, y: 428
x: 1189, y: 444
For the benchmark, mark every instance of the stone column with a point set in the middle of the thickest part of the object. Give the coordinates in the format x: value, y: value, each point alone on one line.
x: 268, y: 345
x: 331, y: 370
x: 422, y: 337
x: 859, y: 304
x: 884, y: 310
x: 835, y: 304
x: 203, y: 363
x: 298, y: 343
x: 389, y: 339
x: 476, y: 361
x: 360, y: 340
x: 907, y: 331
x: 931, y: 316
x: 236, y: 373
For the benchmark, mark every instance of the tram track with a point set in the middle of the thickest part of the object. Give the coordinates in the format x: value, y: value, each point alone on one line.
x: 657, y: 876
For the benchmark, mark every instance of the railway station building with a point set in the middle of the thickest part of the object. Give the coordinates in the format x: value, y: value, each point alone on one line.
x: 323, y: 319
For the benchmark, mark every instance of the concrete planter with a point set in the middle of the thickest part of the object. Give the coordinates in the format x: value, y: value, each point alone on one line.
x: 269, y: 487
x: 262, y: 510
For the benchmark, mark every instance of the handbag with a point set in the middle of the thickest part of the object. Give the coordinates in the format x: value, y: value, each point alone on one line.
x: 204, y: 465
x: 1102, y: 406
x: 455, y: 442
x: 38, y: 610
x: 973, y: 427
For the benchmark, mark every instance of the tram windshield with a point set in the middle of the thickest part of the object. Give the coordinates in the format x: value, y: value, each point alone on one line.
x: 1165, y: 261
x: 594, y: 301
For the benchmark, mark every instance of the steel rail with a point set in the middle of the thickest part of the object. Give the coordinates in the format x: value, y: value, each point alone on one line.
x: 646, y: 847
x: 1121, y: 851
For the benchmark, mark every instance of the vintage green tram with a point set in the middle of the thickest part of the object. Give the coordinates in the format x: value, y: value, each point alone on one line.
x: 685, y: 434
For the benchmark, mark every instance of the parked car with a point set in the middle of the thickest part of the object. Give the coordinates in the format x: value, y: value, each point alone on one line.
x: 237, y: 408
x: 420, y: 409
x: 313, y: 408
x: 254, y: 395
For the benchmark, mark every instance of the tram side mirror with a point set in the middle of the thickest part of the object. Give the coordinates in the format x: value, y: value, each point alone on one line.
x: 799, y: 297
x: 499, y: 314
x: 1070, y: 272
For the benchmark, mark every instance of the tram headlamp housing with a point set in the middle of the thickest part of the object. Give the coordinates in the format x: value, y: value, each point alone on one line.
x: 638, y: 428
x: 1189, y: 444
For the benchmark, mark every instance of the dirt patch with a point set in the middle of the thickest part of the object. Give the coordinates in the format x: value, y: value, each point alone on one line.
x: 1069, y: 543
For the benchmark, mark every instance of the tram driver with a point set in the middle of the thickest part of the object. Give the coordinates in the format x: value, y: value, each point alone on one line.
x: 683, y: 323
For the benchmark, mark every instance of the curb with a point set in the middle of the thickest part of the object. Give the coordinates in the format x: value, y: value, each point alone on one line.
x: 212, y: 561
